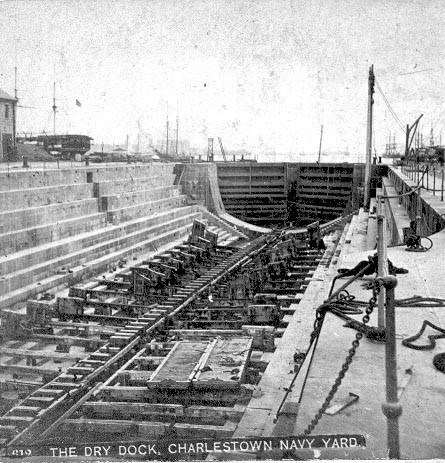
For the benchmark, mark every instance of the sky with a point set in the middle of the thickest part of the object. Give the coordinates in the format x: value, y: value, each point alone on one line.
x: 262, y: 75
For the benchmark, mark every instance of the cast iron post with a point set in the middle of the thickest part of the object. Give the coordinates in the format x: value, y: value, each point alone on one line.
x: 391, y: 408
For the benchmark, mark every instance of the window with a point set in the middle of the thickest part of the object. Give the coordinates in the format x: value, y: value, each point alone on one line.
x: 6, y: 111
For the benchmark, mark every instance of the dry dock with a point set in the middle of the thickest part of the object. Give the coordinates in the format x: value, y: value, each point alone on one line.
x: 135, y: 307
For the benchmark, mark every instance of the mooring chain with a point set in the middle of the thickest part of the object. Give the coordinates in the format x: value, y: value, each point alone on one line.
x: 347, y: 362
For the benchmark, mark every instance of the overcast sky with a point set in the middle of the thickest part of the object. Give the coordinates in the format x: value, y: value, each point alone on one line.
x: 263, y: 75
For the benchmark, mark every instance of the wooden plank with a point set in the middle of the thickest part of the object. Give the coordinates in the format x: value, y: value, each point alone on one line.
x: 71, y: 340
x: 91, y: 326
x: 226, y: 364
x: 135, y: 428
x: 41, y: 354
x: 180, y: 364
x: 203, y: 333
x: 26, y: 369
x: 23, y: 410
x: 70, y: 411
x: 202, y: 361
x: 133, y: 393
x: 138, y: 410
x: 11, y: 420
x: 127, y: 410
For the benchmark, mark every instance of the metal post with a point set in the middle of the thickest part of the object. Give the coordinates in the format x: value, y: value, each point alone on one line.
x: 441, y: 194
x: 434, y: 182
x: 391, y: 408
x: 427, y: 178
x: 419, y: 213
x: 368, y: 171
x: 382, y: 261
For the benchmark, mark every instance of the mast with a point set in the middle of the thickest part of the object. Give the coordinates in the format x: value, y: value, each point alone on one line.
x: 177, y: 131
x: 139, y: 137
x: 371, y: 80
x: 319, y: 148
x: 166, y: 145
x: 54, y: 107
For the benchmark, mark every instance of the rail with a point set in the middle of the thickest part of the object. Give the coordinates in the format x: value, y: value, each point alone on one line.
x: 434, y: 176
x: 63, y: 405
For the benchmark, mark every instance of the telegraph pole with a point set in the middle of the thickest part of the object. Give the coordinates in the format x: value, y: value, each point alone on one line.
x: 371, y: 81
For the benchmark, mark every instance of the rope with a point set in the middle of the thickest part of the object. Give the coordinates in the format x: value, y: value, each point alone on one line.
x: 412, y: 301
x: 408, y: 193
x: 407, y: 342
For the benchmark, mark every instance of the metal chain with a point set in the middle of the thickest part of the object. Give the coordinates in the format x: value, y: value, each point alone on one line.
x: 347, y: 362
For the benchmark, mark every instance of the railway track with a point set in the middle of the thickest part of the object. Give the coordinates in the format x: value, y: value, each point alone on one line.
x: 31, y: 419
x: 25, y: 422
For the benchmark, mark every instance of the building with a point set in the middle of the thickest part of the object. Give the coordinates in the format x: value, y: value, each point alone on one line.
x: 8, y: 106
x: 61, y: 146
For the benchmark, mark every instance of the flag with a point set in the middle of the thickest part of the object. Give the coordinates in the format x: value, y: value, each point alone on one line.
x: 78, y: 103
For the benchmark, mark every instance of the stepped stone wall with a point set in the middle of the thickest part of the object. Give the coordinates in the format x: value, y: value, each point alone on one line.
x: 60, y: 225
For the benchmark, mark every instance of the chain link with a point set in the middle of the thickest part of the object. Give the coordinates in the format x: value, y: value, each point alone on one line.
x: 355, y: 344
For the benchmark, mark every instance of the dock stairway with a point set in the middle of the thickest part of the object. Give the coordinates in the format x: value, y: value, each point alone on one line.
x: 63, y: 226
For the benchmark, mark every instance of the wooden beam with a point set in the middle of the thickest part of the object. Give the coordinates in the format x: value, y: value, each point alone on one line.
x: 139, y: 410
x: 132, y: 394
x: 122, y: 369
x: 70, y: 411
x: 26, y: 369
x: 144, y: 428
x: 41, y: 354
x: 70, y: 340
x: 167, y: 357
x: 90, y: 326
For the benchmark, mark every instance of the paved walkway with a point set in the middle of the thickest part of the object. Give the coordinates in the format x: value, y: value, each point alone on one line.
x: 423, y: 400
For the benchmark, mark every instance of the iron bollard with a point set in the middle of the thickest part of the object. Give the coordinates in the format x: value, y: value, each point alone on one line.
x: 391, y: 408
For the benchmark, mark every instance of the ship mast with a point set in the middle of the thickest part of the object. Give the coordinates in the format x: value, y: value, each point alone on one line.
x: 319, y: 148
x: 371, y: 80
x: 54, y: 106
x: 177, y: 131
x: 166, y: 145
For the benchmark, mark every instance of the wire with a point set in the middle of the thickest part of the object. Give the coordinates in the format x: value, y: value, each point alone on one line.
x: 391, y: 110
x: 397, y: 119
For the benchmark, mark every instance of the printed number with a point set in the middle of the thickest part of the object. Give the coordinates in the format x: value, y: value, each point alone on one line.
x: 21, y: 453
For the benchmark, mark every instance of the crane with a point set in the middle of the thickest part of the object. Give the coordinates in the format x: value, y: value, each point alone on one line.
x: 222, y: 149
